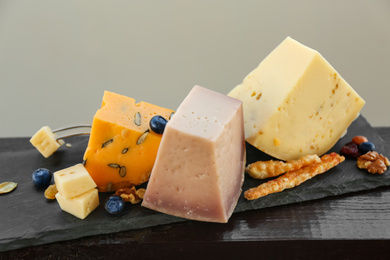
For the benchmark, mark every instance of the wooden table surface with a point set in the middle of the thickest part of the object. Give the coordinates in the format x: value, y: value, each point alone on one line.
x: 350, y: 226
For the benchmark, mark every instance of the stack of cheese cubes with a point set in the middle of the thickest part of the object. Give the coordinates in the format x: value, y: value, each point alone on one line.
x: 77, y: 193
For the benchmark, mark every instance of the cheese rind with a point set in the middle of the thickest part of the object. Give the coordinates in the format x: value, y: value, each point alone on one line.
x: 199, y: 169
x: 122, y: 149
x: 73, y: 181
x: 45, y: 141
x: 295, y: 103
x: 80, y: 206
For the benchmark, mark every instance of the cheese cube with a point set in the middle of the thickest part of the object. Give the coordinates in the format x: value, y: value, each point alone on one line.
x: 46, y: 141
x: 73, y: 181
x: 122, y: 149
x: 199, y: 170
x: 295, y: 103
x: 79, y: 206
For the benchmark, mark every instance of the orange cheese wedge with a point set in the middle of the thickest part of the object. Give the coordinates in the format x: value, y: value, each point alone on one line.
x: 122, y: 148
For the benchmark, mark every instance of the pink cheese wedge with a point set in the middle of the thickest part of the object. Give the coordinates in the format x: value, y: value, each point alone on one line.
x: 199, y: 169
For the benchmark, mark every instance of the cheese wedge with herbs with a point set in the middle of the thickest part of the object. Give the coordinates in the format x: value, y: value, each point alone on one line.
x: 199, y: 169
x: 296, y: 103
x: 122, y: 149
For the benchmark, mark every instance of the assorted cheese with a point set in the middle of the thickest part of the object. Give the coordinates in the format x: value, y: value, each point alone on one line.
x: 295, y: 103
x: 199, y: 169
x: 45, y: 141
x: 77, y: 193
x: 122, y: 148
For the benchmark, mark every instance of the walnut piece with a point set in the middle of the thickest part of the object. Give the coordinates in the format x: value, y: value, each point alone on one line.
x: 373, y: 162
x: 131, y: 194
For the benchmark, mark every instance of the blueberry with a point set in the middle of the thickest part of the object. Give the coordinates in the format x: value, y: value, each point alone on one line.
x: 157, y: 124
x: 115, y: 205
x: 41, y: 177
x: 365, y: 147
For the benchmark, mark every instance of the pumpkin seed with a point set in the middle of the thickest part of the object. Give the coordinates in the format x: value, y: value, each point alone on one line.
x: 125, y: 150
x: 137, y: 119
x: 142, y: 138
x: 107, y: 143
x: 7, y: 187
x: 171, y: 115
x: 122, y: 171
x: 114, y: 165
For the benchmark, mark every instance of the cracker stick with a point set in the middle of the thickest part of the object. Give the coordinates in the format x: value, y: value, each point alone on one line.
x: 294, y: 178
x: 267, y: 169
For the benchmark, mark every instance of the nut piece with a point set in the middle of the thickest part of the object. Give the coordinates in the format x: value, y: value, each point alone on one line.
x: 373, y: 162
x: 131, y: 194
x: 359, y: 139
x: 50, y: 192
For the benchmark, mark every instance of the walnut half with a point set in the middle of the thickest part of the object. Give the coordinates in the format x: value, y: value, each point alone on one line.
x: 373, y: 162
x: 131, y: 194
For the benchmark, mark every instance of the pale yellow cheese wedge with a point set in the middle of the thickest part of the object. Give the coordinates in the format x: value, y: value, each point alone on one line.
x: 296, y: 103
x: 80, y: 206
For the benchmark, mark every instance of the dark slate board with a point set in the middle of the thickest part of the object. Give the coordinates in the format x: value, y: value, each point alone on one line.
x: 27, y: 218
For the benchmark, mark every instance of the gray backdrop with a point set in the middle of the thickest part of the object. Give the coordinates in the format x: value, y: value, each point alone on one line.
x: 57, y: 57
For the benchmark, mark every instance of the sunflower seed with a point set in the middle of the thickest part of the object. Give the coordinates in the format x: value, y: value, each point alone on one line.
x: 122, y: 171
x: 137, y: 119
x: 142, y: 138
x: 114, y: 165
x: 125, y: 150
x: 84, y: 162
x: 107, y: 143
x: 6, y: 187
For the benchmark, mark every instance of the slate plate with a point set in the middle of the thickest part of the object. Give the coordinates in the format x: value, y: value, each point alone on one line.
x: 27, y: 218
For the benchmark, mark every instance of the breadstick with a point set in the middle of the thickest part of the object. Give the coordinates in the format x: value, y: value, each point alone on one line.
x: 294, y: 178
x: 267, y: 169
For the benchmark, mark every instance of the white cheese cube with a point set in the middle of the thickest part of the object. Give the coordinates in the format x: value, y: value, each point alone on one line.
x: 79, y: 206
x: 73, y: 181
x: 295, y: 103
x: 199, y: 169
x: 45, y: 141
